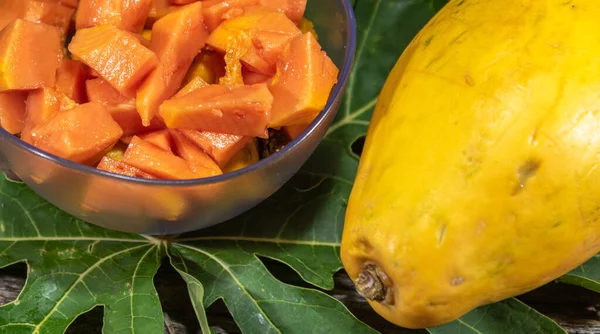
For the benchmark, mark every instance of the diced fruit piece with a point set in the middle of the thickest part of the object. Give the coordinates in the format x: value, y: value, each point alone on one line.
x: 305, y: 77
x: 83, y: 134
x: 238, y: 110
x: 294, y: 131
x: 119, y: 167
x: 42, y: 104
x: 237, y: 47
x: 158, y: 9
x: 267, y: 32
x: 70, y: 3
x: 192, y: 86
x: 216, y: 11
x: 307, y: 25
x: 247, y: 156
x: 70, y: 79
x: 128, y: 15
x: 160, y: 138
x: 40, y: 11
x: 219, y: 146
x: 30, y: 54
x: 116, y: 55
x: 12, y: 111
x: 251, y: 78
x: 176, y: 40
x: 193, y: 154
x: 294, y: 9
x: 182, y: 2
x: 122, y: 108
x: 159, y: 162
x: 208, y: 65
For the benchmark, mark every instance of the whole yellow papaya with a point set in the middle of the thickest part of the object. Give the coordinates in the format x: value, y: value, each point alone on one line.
x: 480, y: 175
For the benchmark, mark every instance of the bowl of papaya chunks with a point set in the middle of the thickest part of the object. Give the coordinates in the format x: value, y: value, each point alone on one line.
x: 167, y: 116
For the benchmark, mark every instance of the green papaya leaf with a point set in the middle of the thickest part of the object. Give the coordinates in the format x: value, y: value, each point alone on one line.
x: 508, y: 316
x: 73, y: 267
x: 586, y: 275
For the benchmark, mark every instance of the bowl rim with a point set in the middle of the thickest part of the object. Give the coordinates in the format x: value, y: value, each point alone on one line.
x: 261, y: 164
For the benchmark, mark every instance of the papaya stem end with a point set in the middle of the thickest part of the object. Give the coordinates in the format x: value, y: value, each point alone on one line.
x: 370, y: 283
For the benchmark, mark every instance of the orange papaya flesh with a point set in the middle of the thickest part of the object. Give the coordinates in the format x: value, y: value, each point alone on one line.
x: 70, y: 79
x: 267, y: 32
x: 70, y: 3
x: 177, y: 38
x: 215, y: 11
x: 52, y: 13
x: 156, y: 161
x: 193, y: 154
x: 119, y: 167
x: 303, y: 83
x: 159, y: 138
x: 116, y: 55
x: 294, y: 131
x: 130, y: 15
x: 182, y: 2
x: 83, y: 134
x: 30, y: 54
x: 238, y: 110
x: 196, y: 83
x: 208, y: 65
x: 158, y: 9
x: 122, y: 108
x: 251, y: 78
x: 293, y: 9
x: 12, y: 111
x: 220, y: 147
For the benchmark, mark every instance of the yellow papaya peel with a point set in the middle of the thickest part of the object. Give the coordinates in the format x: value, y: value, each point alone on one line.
x: 479, y: 179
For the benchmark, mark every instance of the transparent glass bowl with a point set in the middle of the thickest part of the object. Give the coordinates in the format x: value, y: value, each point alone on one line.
x: 170, y: 207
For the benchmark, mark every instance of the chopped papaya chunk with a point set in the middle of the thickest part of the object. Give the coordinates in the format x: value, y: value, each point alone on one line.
x: 196, y: 83
x: 294, y: 131
x: 303, y: 83
x: 70, y: 3
x: 245, y: 157
x: 294, y: 9
x: 156, y: 161
x: 116, y: 55
x: 70, y: 79
x: 119, y: 167
x: 307, y: 25
x: 41, y: 105
x: 52, y: 13
x: 30, y: 54
x: 128, y: 15
x: 158, y: 9
x: 268, y: 33
x: 159, y: 138
x: 83, y: 134
x: 237, y: 110
x: 219, y: 146
x: 251, y: 78
x: 193, y: 154
x: 208, y: 65
x: 176, y: 39
x: 40, y: 11
x: 12, y: 111
x: 122, y: 108
x: 182, y: 2
x: 216, y: 11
